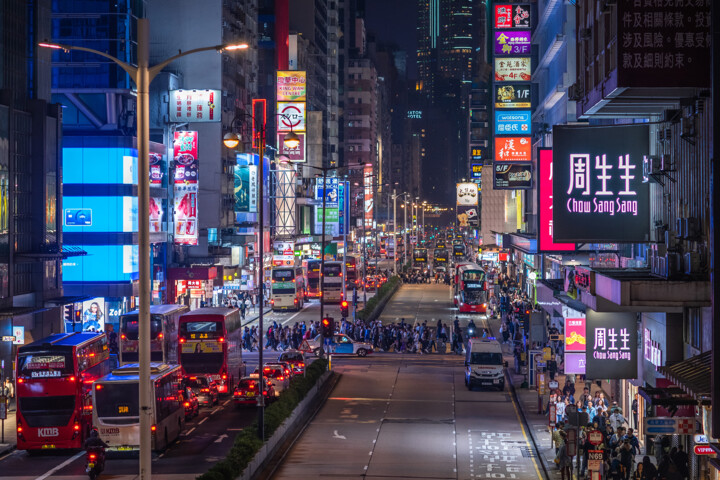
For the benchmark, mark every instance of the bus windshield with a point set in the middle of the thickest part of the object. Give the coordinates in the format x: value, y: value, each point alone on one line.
x: 129, y: 326
x: 282, y: 281
x: 470, y: 275
x: 333, y: 270
x: 284, y: 275
x: 45, y: 364
x: 117, y: 400
x: 189, y: 328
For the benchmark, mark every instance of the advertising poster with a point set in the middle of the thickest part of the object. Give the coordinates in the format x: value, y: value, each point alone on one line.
x: 512, y: 16
x: 185, y: 154
x: 157, y: 169
x: 575, y: 363
x: 292, y: 117
x: 156, y: 214
x: 93, y: 315
x: 291, y: 86
x: 598, y: 190
x: 186, y: 214
x: 514, y: 95
x: 368, y: 201
x: 513, y: 176
x: 467, y: 194
x: 575, y: 336
x: 512, y: 69
x: 344, y: 208
x: 545, y: 205
x: 512, y: 42
x: 512, y: 122
x: 666, y: 45
x: 245, y: 183
x: 295, y: 155
x: 468, y: 216
x: 195, y: 106
x: 612, y: 345
x: 516, y: 149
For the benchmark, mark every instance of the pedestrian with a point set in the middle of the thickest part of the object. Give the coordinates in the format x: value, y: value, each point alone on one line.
x: 617, y: 420
x: 563, y: 460
x: 626, y: 459
x: 9, y: 389
x: 634, y: 409
x: 680, y: 459
x: 648, y: 471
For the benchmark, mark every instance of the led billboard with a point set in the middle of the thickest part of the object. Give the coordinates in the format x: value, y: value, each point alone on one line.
x: 512, y: 122
x: 513, y: 149
x: 514, y: 95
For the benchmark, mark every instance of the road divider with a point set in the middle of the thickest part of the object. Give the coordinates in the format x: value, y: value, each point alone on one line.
x: 374, y: 306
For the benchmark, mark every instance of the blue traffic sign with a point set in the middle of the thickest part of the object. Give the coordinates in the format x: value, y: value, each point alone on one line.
x: 660, y: 421
x: 659, y: 429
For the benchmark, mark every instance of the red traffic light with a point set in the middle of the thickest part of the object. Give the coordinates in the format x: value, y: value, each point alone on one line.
x: 326, y: 322
x: 344, y: 304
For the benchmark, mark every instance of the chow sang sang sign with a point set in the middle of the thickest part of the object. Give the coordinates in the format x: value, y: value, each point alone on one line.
x: 612, y: 345
x: 598, y: 189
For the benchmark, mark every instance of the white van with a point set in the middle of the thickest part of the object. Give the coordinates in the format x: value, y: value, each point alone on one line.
x: 484, y: 364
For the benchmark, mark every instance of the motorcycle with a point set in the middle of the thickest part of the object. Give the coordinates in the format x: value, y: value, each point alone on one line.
x: 94, y: 462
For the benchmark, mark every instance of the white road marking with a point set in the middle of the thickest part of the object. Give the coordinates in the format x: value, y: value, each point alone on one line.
x: 297, y: 313
x: 190, y: 431
x: 338, y: 436
x: 227, y: 401
x: 235, y: 429
x: 216, y: 410
x: 203, y: 420
x: 62, y: 465
x: 221, y: 438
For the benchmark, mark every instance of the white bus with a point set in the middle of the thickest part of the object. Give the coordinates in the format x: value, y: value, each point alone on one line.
x: 332, y: 281
x: 163, y: 334
x: 116, y: 412
x: 288, y: 288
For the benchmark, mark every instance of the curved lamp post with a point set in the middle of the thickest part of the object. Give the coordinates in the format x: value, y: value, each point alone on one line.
x: 142, y: 75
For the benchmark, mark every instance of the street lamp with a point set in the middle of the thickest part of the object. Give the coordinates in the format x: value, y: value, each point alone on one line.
x: 232, y: 140
x: 142, y: 75
x: 395, y: 196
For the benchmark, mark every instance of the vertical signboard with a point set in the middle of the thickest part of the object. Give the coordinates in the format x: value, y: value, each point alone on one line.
x: 575, y: 336
x: 466, y: 202
x: 291, y: 106
x: 612, y: 345
x: 185, y: 154
x: 545, y: 205
x: 194, y: 106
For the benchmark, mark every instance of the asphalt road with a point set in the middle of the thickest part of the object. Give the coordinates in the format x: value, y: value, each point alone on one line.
x: 205, y: 440
x: 406, y: 416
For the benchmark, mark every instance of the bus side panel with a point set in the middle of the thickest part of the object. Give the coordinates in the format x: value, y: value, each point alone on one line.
x: 234, y: 360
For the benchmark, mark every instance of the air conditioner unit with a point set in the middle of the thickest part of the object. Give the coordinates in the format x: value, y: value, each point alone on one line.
x: 691, y: 263
x: 691, y: 227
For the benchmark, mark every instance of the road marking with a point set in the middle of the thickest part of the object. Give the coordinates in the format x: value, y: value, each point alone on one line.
x: 527, y: 442
x: 203, y: 420
x: 227, y: 401
x: 297, y: 313
x: 221, y: 438
x: 190, y: 431
x: 216, y: 410
x: 338, y: 436
x: 62, y: 465
x: 235, y: 429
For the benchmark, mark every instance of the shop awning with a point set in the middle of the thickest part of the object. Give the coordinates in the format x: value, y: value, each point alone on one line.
x: 692, y: 375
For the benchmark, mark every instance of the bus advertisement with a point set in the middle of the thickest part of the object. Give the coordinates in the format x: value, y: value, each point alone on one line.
x: 163, y: 334
x: 117, y: 412
x: 211, y: 344
x: 287, y: 290
x: 332, y: 282
x: 312, y: 274
x: 54, y: 380
x: 470, y: 288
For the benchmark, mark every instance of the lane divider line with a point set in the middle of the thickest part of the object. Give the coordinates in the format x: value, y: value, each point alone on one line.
x: 203, y: 420
x: 62, y: 465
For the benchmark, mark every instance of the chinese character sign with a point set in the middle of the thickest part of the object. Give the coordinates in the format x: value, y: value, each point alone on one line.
x: 545, y: 205
x: 467, y: 194
x: 575, y: 363
x: 612, y: 345
x: 663, y: 44
x: 598, y: 191
x: 512, y: 16
x: 295, y: 155
x: 512, y: 122
x: 185, y: 213
x: 194, y: 106
x: 291, y: 86
x: 292, y: 116
x: 512, y: 69
x: 508, y: 42
x: 185, y: 154
x: 513, y: 149
x: 575, y: 337
x: 515, y: 95
x: 512, y: 176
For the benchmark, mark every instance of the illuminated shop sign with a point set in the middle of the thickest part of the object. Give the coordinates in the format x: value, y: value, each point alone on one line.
x: 512, y: 69
x: 291, y: 86
x: 514, y: 95
x: 545, y: 205
x: 598, y: 192
x: 513, y: 149
x: 612, y: 345
x: 292, y: 116
x: 575, y: 335
x: 512, y: 176
x: 508, y: 42
x: 512, y: 16
x: 512, y: 122
x: 195, y: 105
x: 185, y: 153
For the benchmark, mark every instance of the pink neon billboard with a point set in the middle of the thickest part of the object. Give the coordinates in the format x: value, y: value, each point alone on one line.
x: 545, y: 202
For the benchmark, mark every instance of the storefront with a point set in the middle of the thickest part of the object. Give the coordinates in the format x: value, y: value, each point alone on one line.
x: 192, y: 286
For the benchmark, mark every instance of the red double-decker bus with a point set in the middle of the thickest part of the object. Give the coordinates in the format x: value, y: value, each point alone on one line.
x: 470, y: 288
x: 211, y: 344
x: 54, y: 389
x: 312, y: 272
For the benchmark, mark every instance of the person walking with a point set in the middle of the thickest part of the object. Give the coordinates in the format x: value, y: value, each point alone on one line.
x: 563, y: 460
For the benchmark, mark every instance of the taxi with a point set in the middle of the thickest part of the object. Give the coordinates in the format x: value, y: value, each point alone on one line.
x: 340, y: 344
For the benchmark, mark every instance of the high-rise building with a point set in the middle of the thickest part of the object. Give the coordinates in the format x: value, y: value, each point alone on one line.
x: 31, y: 248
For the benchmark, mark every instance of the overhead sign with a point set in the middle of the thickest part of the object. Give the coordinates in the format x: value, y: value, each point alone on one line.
x: 512, y: 122
x: 292, y: 116
x: 512, y: 16
x: 508, y: 42
x: 514, y: 95
x: 598, y: 192
x: 513, y: 149
x: 295, y: 155
x: 669, y: 425
x: 545, y: 205
x: 185, y: 211
x: 612, y: 345
x: 512, y: 176
x: 575, y: 336
x: 512, y: 69
x: 194, y: 106
x: 467, y: 194
x: 291, y: 86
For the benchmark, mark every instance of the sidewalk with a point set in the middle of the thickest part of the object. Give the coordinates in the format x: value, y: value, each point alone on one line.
x: 10, y: 441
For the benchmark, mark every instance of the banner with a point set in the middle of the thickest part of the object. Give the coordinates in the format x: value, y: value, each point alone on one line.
x: 194, y: 106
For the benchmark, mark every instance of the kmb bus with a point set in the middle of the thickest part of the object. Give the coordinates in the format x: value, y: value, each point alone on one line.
x: 332, y: 282
x: 420, y: 255
x: 54, y: 380
x: 163, y: 334
x: 312, y: 273
x: 211, y: 344
x: 470, y: 288
x: 287, y: 288
x: 117, y: 410
x: 440, y: 257
x: 351, y: 271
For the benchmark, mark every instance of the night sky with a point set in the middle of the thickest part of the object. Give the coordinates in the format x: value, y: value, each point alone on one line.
x: 393, y: 21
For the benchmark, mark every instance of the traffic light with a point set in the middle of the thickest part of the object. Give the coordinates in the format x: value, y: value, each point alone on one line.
x: 68, y: 313
x: 344, y: 308
x: 328, y: 327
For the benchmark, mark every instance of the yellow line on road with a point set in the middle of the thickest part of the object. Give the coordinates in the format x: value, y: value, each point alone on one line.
x: 527, y: 442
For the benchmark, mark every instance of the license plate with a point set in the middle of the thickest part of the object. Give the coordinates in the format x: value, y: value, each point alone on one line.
x: 48, y: 446
x: 91, y: 466
x: 497, y: 380
x: 250, y: 394
x: 124, y: 449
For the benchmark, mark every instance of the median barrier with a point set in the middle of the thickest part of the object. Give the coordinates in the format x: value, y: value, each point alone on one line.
x: 374, y: 306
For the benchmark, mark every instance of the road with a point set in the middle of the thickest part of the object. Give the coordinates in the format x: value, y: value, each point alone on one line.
x: 410, y: 416
x: 205, y: 440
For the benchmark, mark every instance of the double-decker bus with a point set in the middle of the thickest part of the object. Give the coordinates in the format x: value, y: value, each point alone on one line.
x: 287, y: 288
x: 116, y: 397
x: 420, y: 255
x: 54, y: 381
x: 211, y: 344
x: 440, y: 257
x: 163, y: 334
x: 312, y: 274
x: 458, y: 251
x: 470, y: 288
x: 332, y: 282
x: 351, y: 271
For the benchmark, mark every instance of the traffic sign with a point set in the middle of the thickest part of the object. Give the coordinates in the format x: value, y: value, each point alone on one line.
x: 553, y: 384
x: 571, y: 444
x: 595, y: 437
x: 703, y: 450
x: 668, y: 425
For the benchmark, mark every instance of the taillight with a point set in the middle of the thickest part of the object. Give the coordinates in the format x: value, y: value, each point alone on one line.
x: 122, y: 336
x: 221, y: 340
x: 98, y: 386
x: 76, y: 427
x: 187, y: 404
x: 182, y: 340
x: 93, y: 456
x: 205, y: 390
x: 72, y: 379
x: 265, y: 392
x: 296, y: 301
x: 224, y: 377
x: 160, y: 335
x: 19, y: 428
x: 281, y: 378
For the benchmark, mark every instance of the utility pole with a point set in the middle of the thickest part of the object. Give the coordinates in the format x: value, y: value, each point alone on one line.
x: 394, y: 234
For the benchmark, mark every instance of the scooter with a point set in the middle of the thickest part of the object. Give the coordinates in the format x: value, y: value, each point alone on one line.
x: 94, y: 462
